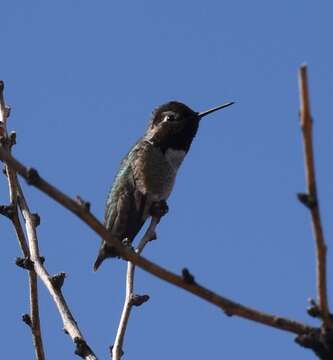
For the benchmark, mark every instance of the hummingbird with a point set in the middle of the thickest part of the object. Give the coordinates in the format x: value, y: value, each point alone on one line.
x: 147, y: 173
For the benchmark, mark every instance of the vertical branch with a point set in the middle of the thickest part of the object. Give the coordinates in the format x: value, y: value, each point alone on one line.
x: 130, y: 298
x: 12, y: 185
x: 311, y: 199
x: 33, y: 292
x: 33, y: 261
x: 34, y: 313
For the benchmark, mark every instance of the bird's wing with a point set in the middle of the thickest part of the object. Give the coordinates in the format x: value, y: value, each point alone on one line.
x: 118, y: 187
x: 126, y: 209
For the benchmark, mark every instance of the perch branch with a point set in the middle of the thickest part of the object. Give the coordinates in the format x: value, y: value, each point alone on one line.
x: 311, y: 199
x: 228, y: 306
x: 12, y: 185
x: 117, y: 349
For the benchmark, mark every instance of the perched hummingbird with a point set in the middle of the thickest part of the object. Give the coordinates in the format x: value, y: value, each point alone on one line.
x: 147, y: 174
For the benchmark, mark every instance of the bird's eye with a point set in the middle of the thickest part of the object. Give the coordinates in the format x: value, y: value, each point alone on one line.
x: 169, y: 117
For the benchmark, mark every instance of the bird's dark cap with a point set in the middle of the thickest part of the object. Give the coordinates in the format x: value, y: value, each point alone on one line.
x: 183, y: 110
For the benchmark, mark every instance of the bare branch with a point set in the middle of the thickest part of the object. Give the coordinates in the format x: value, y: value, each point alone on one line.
x: 117, y: 348
x: 228, y: 306
x: 8, y: 142
x: 311, y: 199
x: 53, y: 284
x: 32, y: 256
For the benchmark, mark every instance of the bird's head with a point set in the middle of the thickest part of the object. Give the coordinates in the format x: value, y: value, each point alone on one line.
x: 174, y: 125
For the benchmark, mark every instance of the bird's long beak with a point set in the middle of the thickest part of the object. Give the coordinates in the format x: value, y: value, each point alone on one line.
x: 204, y: 113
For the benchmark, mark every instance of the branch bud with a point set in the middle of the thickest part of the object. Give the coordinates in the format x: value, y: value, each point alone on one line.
x: 82, y: 349
x: 25, y: 263
x: 307, y: 200
x: 137, y: 300
x: 32, y: 176
x: 187, y: 276
x: 84, y: 204
x: 27, y: 319
x: 35, y: 219
x: 57, y: 280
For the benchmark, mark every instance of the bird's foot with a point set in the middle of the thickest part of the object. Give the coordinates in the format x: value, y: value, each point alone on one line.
x: 159, y: 209
x: 127, y: 243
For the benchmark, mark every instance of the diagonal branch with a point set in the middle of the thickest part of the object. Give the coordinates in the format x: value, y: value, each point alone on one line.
x: 311, y: 198
x: 53, y: 284
x: 228, y: 306
x: 117, y: 348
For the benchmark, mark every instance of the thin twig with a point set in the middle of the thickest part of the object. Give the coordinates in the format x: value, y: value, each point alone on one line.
x: 311, y: 198
x: 70, y: 324
x: 12, y: 185
x: 117, y: 349
x: 228, y: 306
x: 32, y: 252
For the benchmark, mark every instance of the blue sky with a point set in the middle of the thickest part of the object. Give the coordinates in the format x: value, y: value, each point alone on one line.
x: 82, y: 78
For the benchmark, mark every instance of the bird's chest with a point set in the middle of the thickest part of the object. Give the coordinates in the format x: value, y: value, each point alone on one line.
x: 155, y: 171
x: 174, y: 158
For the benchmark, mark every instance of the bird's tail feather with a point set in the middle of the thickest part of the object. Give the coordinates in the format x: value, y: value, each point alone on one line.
x: 105, y: 252
x: 98, y: 262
